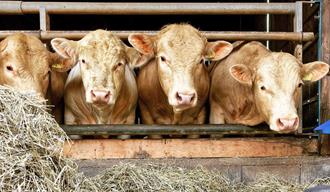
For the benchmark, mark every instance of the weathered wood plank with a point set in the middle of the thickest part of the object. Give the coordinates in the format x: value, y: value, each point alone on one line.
x: 325, y: 82
x: 190, y: 148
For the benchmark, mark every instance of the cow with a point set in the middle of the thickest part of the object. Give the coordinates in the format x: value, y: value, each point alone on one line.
x: 255, y: 85
x: 26, y: 66
x: 174, y: 85
x: 101, y: 86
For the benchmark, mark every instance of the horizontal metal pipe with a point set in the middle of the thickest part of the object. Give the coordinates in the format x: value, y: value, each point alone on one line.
x: 212, y: 35
x: 21, y: 7
x: 163, y: 129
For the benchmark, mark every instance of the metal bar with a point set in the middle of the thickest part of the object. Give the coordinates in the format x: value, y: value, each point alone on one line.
x: 44, y: 19
x: 164, y: 129
x: 212, y: 35
x: 310, y: 43
x: 21, y: 7
x: 298, y: 27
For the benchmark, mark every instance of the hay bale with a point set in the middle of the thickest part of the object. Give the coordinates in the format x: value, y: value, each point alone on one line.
x: 31, y: 144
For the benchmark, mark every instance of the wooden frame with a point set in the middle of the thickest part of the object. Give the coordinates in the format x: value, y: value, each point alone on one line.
x: 190, y: 148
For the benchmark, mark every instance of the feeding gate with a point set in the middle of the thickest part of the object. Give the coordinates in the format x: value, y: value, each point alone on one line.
x: 295, y: 27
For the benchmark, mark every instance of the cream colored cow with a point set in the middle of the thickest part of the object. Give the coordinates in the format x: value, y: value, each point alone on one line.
x: 101, y: 87
x: 26, y: 66
x: 254, y: 85
x: 173, y: 87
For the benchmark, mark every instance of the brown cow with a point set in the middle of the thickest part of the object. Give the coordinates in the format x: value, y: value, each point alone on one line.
x: 254, y: 85
x: 25, y: 65
x: 174, y: 86
x: 101, y: 87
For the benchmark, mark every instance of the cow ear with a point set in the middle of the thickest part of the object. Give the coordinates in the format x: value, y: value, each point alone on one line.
x: 3, y: 45
x: 64, y: 47
x: 314, y: 71
x: 142, y: 43
x: 66, y: 55
x: 241, y: 73
x: 218, y: 50
x: 136, y: 59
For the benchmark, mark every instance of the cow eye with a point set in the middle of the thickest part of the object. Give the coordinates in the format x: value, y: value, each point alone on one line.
x: 300, y: 84
x: 162, y: 58
x: 120, y: 64
x: 263, y: 88
x: 10, y: 68
x: 83, y: 61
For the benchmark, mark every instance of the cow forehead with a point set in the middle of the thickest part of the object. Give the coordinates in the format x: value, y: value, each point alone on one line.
x: 181, y: 41
x: 27, y: 53
x: 281, y: 69
x: 101, y: 51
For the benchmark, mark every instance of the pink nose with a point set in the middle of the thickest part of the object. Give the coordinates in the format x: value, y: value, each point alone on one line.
x: 286, y: 124
x: 185, y: 99
x: 100, y: 96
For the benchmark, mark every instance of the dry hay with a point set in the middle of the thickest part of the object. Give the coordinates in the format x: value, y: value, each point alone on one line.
x: 161, y: 177
x: 31, y: 144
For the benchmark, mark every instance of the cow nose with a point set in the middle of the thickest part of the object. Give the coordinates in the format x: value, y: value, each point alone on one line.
x: 185, y: 99
x: 287, y: 123
x: 100, y: 96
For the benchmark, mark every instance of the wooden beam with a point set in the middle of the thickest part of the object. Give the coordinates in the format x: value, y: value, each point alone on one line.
x: 325, y: 82
x: 190, y: 148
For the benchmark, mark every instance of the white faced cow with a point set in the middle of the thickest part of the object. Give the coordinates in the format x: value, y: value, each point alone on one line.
x: 101, y: 87
x: 173, y: 87
x: 26, y: 66
x: 254, y: 85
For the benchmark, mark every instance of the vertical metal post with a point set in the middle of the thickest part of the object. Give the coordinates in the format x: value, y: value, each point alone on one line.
x: 298, y: 27
x: 267, y: 26
x: 44, y: 19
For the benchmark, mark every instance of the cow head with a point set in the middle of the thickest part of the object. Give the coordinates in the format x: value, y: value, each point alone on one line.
x: 25, y: 64
x: 180, y: 50
x: 276, y: 85
x: 103, y: 59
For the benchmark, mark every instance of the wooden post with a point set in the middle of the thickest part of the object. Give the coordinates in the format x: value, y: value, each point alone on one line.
x: 325, y: 82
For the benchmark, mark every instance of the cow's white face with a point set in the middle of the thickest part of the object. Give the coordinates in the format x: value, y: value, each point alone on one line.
x: 102, y: 58
x: 180, y: 50
x: 102, y: 71
x: 25, y: 64
x: 276, y: 86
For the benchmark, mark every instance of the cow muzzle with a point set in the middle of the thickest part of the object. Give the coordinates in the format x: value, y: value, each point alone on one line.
x: 100, y: 96
x: 286, y: 125
x: 184, y: 100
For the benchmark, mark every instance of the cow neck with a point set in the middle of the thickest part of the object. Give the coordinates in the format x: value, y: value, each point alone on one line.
x: 102, y: 114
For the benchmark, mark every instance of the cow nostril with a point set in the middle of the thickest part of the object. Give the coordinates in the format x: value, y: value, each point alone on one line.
x: 107, y: 95
x: 279, y: 123
x: 92, y: 93
x: 178, y: 97
x: 193, y: 97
